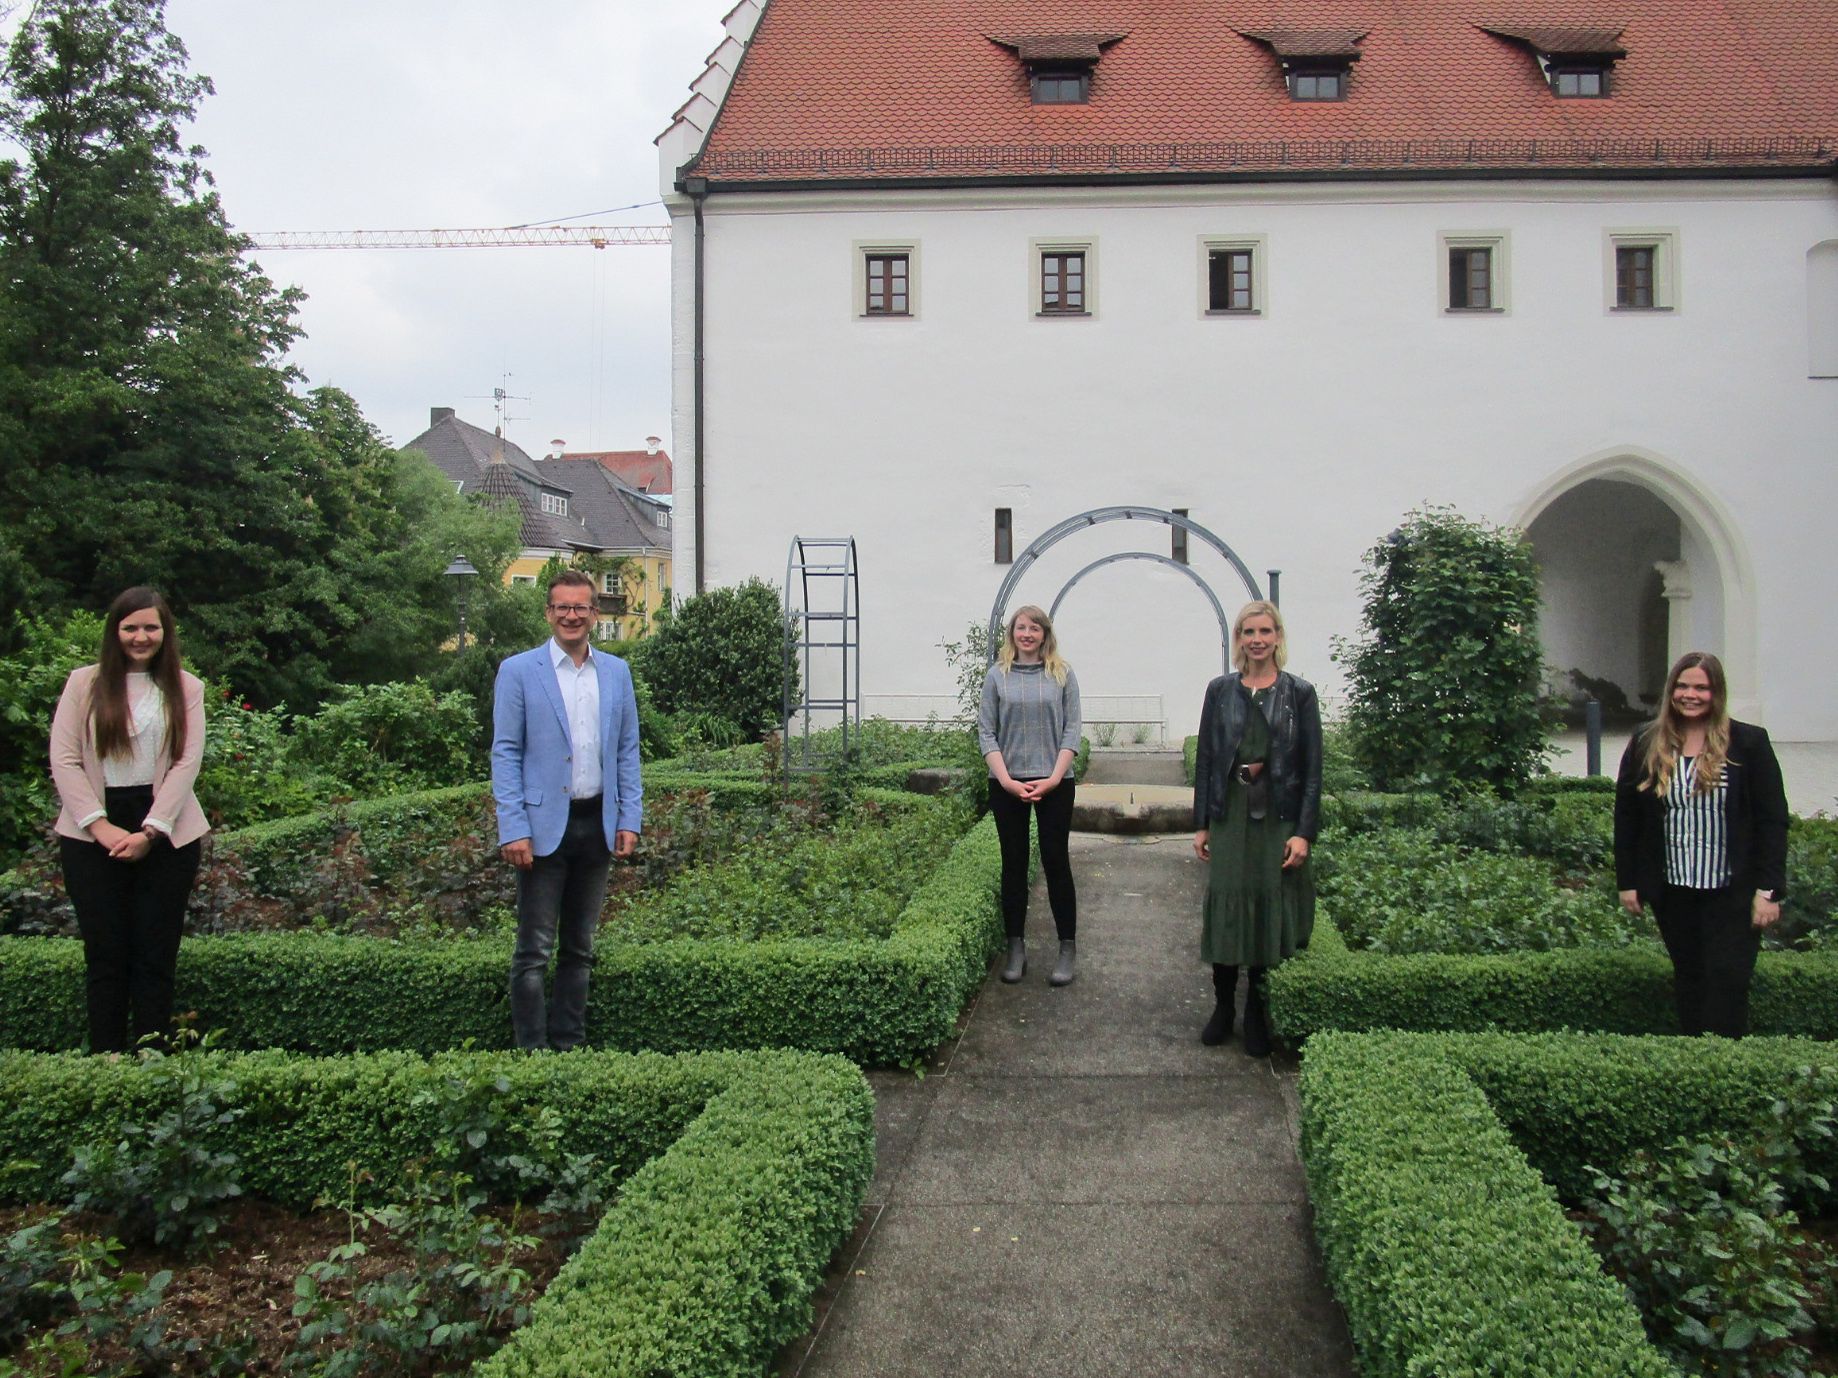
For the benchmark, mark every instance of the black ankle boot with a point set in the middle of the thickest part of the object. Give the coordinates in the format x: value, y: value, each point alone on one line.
x: 1017, y: 961
x: 1225, y: 1006
x: 1256, y: 1016
x: 1062, y: 969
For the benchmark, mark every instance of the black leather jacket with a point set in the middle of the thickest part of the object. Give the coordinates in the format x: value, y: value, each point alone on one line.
x: 1294, y: 715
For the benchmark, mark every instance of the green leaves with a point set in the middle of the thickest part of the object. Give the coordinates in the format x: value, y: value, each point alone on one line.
x: 1443, y: 679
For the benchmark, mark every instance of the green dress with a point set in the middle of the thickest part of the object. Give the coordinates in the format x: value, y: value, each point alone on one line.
x: 1256, y: 912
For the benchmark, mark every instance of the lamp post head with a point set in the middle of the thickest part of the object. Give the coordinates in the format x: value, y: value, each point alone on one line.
x: 461, y: 568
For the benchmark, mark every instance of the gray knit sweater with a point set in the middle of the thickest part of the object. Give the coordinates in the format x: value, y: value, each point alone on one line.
x: 1030, y: 719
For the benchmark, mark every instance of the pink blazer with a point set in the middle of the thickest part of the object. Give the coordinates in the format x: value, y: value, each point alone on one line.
x: 76, y: 769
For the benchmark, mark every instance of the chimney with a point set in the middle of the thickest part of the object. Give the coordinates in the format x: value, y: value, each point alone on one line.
x: 436, y: 415
x: 557, y: 446
x: 651, y: 444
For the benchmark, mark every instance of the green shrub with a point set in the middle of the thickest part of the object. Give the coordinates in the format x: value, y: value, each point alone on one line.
x: 31, y: 679
x: 1442, y: 682
x: 740, y: 1175
x: 1704, y: 1235
x: 878, y: 1002
x: 248, y: 773
x: 1402, y: 891
x: 1809, y: 914
x: 1446, y: 1246
x: 1626, y: 991
x: 385, y: 738
x: 722, y: 652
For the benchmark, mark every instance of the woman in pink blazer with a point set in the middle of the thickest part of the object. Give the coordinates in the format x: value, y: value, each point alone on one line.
x: 125, y: 747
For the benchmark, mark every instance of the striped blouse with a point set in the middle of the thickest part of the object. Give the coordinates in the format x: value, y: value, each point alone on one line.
x: 1697, y: 830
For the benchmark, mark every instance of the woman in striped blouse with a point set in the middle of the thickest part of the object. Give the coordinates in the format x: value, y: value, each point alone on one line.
x: 1701, y: 836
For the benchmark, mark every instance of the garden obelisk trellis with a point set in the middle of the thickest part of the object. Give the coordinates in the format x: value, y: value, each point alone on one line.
x: 823, y: 644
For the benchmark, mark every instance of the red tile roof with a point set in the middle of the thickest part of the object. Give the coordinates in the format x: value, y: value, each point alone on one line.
x: 893, y: 89
x: 646, y: 470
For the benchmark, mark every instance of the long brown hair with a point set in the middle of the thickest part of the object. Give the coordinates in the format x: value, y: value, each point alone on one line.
x: 1664, y: 740
x: 109, y: 697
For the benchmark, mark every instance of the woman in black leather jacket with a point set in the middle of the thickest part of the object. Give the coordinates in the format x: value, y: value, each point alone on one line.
x: 1256, y: 808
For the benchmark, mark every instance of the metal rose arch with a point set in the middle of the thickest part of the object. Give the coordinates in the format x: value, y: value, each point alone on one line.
x: 1097, y: 516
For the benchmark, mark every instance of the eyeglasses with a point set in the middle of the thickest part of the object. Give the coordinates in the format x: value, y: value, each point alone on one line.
x: 570, y: 609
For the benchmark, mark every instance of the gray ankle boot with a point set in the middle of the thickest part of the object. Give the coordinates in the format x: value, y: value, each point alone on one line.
x: 1017, y: 961
x: 1062, y: 969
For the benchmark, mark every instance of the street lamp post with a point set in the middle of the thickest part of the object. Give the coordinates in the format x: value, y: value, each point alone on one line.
x: 460, y: 571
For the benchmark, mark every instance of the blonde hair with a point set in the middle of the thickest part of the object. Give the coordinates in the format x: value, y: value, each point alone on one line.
x: 1240, y: 660
x: 1664, y: 739
x: 1049, y: 644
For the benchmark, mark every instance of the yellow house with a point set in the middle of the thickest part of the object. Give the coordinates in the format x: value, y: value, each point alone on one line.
x: 570, y: 508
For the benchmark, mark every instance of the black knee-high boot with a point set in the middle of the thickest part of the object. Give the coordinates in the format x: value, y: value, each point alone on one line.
x: 1256, y: 1016
x: 1225, y: 996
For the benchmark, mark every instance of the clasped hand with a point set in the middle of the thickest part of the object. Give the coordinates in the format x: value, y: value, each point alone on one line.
x: 119, y: 843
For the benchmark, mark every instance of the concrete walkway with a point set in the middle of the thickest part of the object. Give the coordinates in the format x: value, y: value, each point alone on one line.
x: 1077, y: 1187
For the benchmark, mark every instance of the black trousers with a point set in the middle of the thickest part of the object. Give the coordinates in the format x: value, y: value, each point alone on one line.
x: 131, y: 914
x: 1054, y: 812
x: 1712, y: 943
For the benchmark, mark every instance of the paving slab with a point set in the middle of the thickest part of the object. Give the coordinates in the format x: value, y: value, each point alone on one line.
x: 1076, y: 1186
x: 1046, y: 1291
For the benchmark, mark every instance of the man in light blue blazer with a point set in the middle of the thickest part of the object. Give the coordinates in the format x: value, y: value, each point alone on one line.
x: 564, y: 772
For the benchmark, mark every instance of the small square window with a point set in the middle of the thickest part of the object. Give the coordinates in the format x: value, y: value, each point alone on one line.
x: 1329, y: 85
x: 1641, y: 269
x: 1582, y: 83
x: 1228, y: 281
x: 1062, y: 283
x: 887, y: 284
x: 1005, y: 535
x: 1060, y: 88
x: 1470, y: 279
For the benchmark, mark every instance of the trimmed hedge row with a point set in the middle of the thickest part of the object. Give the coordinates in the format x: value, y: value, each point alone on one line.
x: 1448, y: 1250
x: 876, y: 1002
x: 741, y: 1173
x: 1625, y: 990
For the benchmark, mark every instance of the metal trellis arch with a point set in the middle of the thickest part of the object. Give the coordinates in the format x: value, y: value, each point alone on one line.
x: 1097, y: 516
x: 823, y: 613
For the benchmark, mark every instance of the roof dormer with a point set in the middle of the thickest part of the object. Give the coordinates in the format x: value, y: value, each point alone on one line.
x: 1059, y: 65
x: 1317, y: 63
x: 1574, y: 61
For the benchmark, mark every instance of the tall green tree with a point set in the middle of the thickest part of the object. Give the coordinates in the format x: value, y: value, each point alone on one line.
x: 1443, y: 680
x: 152, y: 430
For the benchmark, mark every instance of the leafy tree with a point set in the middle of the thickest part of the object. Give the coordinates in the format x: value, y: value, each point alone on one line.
x: 1443, y: 678
x: 152, y: 431
x: 722, y: 652
x: 31, y: 678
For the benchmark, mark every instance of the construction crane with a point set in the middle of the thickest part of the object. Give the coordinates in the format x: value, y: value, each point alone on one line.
x: 548, y: 236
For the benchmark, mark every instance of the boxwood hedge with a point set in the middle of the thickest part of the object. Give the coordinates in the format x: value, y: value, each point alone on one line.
x: 1448, y: 1249
x: 1612, y: 991
x: 741, y: 1174
x: 877, y: 1002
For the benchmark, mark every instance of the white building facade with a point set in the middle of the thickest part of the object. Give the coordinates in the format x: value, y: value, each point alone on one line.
x: 1674, y: 461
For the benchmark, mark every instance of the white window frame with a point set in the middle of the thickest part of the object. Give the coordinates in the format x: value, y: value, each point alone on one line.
x: 1037, y: 249
x: 609, y: 584
x: 858, y: 264
x: 1499, y: 287
x: 523, y: 578
x: 555, y: 504
x: 1663, y: 241
x: 1257, y: 246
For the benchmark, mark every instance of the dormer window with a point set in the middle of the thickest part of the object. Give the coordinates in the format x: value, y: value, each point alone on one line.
x: 1575, y: 62
x: 1059, y: 66
x: 1317, y: 85
x: 1316, y: 63
x: 555, y: 503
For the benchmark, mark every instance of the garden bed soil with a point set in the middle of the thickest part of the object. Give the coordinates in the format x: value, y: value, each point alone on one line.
x: 247, y: 1286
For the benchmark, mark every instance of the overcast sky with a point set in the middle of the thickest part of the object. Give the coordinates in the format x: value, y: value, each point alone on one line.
x: 390, y: 114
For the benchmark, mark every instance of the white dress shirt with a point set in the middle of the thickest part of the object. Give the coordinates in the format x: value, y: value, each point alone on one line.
x: 580, y: 686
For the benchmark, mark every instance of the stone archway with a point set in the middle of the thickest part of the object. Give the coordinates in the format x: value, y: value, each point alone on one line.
x: 1640, y: 564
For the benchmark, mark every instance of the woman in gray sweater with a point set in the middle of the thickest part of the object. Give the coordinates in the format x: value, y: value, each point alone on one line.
x: 1028, y: 729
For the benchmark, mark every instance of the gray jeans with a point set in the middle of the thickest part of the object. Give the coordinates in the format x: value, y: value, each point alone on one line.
x: 562, y: 891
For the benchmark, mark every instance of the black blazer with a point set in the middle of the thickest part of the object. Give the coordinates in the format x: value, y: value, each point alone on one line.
x: 1294, y: 715
x: 1756, y: 810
